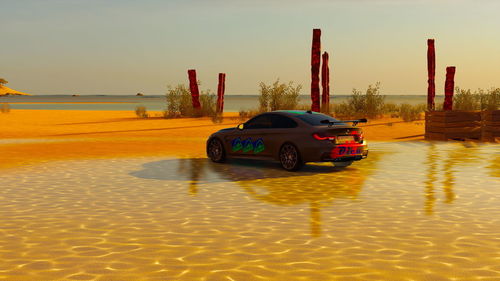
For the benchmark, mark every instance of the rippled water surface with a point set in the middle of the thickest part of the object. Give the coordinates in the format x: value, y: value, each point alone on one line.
x: 410, y: 211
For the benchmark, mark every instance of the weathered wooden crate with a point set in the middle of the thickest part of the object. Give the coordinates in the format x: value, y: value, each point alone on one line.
x: 490, y: 130
x: 460, y: 124
x: 457, y: 124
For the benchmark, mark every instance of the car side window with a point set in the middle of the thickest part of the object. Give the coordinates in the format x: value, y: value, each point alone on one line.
x: 259, y: 122
x: 280, y: 121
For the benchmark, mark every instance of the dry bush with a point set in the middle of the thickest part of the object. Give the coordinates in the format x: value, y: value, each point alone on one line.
x: 477, y: 100
x: 410, y: 112
x: 5, y: 108
x: 278, y: 96
x: 247, y: 114
x: 370, y: 104
x: 466, y: 100
x: 141, y: 112
x: 180, y: 104
x: 491, y: 100
x: 391, y: 109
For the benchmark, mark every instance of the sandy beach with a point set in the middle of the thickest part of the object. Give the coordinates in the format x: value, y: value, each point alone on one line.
x: 35, y: 136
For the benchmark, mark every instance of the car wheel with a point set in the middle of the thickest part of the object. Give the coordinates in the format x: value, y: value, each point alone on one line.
x: 215, y: 151
x: 290, y: 157
x: 342, y: 164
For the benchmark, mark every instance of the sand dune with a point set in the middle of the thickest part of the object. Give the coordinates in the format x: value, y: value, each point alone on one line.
x: 8, y: 91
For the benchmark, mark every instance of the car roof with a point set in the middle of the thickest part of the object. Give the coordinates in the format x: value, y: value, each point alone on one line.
x: 294, y: 112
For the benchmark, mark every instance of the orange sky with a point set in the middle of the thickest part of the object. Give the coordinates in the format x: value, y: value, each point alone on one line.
x: 125, y: 47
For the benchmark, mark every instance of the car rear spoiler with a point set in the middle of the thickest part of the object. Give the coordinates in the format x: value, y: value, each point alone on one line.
x: 354, y: 122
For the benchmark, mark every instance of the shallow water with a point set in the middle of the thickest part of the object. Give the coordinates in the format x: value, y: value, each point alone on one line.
x: 158, y: 102
x: 410, y: 211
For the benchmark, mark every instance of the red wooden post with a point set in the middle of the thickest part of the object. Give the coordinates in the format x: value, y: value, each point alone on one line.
x: 193, y: 86
x: 431, y: 73
x: 449, y: 86
x: 325, y: 84
x: 315, y: 63
x: 220, y: 92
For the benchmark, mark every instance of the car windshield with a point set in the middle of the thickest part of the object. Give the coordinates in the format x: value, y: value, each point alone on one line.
x: 315, y: 119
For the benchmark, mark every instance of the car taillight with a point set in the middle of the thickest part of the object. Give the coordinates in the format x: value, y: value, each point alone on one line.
x: 322, y: 137
x: 358, y: 135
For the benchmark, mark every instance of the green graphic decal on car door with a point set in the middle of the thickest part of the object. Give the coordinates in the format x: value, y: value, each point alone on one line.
x: 258, y: 146
x: 247, y: 145
x: 236, y: 144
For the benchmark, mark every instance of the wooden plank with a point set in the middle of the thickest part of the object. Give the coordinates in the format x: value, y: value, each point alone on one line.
x: 488, y: 136
x: 492, y: 112
x: 457, y: 118
x: 491, y: 129
x: 491, y: 116
x: 491, y: 123
x: 446, y: 136
x: 453, y: 129
x: 471, y: 135
x: 453, y: 124
x: 454, y: 113
x: 435, y: 136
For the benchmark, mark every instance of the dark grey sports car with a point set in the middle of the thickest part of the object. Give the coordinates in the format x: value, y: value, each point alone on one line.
x: 292, y: 137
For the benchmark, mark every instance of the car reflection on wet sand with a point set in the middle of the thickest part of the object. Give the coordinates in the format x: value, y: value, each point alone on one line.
x: 317, y: 184
x: 410, y: 211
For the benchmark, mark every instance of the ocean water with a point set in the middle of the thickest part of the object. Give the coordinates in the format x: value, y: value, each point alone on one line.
x: 158, y: 102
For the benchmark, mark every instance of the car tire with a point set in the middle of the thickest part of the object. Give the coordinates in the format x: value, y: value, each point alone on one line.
x: 342, y: 164
x: 290, y: 157
x: 215, y: 151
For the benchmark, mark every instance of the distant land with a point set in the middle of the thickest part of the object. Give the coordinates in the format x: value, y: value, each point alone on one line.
x: 6, y: 91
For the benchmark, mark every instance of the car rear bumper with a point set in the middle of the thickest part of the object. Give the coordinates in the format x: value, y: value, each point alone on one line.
x: 337, y: 153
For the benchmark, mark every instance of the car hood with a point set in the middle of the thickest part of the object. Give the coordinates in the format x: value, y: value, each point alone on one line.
x: 227, y: 129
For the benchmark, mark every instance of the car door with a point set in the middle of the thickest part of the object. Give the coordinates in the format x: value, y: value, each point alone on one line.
x: 251, y: 140
x: 282, y: 128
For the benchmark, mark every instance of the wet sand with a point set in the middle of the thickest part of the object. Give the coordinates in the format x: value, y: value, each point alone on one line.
x: 34, y: 136
x: 103, y: 195
x: 410, y: 211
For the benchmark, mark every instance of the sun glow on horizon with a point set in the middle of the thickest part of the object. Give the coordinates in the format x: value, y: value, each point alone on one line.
x: 125, y: 47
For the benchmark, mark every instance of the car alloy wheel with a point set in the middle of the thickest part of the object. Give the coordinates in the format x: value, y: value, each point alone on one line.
x: 215, y: 151
x: 290, y: 158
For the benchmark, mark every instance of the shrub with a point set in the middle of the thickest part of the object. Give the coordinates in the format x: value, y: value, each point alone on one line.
x: 275, y: 97
x: 410, y: 112
x: 490, y: 100
x: 466, y: 100
x: 179, y: 103
x: 341, y: 110
x: 208, y: 103
x: 141, y: 112
x: 392, y: 109
x: 358, y: 105
x: 247, y: 114
x: 479, y: 100
x: 5, y: 108
x: 278, y: 96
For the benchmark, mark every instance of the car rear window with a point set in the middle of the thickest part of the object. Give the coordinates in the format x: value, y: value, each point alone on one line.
x: 315, y: 119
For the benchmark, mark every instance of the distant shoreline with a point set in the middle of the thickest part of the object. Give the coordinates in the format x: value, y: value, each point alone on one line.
x: 163, y: 95
x: 62, y: 102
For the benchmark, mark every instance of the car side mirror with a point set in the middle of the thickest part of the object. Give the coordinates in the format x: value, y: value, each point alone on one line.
x: 241, y: 126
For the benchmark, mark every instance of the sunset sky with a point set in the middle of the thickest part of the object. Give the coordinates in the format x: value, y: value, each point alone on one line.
x: 125, y: 46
